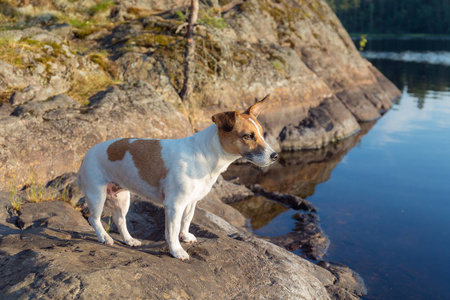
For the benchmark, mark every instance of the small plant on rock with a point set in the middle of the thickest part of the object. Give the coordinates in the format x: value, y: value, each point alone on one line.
x: 108, y: 227
x: 16, y: 201
x: 36, y: 192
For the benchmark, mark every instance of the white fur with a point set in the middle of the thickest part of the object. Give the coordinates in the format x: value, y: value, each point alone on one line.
x: 193, y: 164
x: 264, y: 159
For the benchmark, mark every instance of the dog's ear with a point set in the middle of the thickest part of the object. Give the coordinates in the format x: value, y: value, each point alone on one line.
x: 226, y: 120
x: 258, y: 107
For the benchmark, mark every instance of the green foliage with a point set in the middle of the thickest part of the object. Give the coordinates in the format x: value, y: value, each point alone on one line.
x: 16, y: 201
x: 101, y: 59
x: 108, y: 226
x: 101, y: 6
x: 36, y: 192
x: 278, y: 65
x: 180, y: 15
x: 362, y: 42
x: 396, y: 17
x: 209, y: 18
x: 83, y: 28
x: 12, y: 51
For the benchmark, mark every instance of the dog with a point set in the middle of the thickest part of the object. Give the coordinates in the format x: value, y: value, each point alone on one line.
x: 177, y: 172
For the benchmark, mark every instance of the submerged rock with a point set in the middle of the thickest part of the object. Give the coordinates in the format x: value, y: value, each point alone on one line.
x: 348, y: 284
x: 292, y: 201
x: 307, y: 235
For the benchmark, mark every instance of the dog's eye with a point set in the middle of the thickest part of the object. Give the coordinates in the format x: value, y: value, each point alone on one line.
x: 247, y: 137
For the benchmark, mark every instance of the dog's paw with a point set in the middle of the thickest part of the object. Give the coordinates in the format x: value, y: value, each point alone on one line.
x: 133, y: 242
x: 107, y: 240
x: 179, y: 253
x: 188, y: 238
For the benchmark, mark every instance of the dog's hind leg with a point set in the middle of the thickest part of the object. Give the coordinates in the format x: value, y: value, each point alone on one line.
x: 121, y: 203
x: 95, y: 198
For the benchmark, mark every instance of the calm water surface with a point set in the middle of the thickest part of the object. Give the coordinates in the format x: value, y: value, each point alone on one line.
x: 384, y: 195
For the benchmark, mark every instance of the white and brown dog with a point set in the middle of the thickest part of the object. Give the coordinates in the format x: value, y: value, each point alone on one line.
x: 178, y: 173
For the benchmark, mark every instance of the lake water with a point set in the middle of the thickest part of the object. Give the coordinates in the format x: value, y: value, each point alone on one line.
x: 383, y: 195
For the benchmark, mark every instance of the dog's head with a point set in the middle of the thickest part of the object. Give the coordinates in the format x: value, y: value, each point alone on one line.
x: 241, y: 134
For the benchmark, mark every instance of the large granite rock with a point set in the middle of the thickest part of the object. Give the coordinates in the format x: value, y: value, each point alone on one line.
x: 55, y: 254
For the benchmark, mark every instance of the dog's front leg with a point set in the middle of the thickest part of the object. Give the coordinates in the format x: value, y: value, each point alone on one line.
x: 174, y: 212
x: 188, y: 214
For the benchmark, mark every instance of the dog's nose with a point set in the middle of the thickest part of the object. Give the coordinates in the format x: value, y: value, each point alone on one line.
x: 274, y: 156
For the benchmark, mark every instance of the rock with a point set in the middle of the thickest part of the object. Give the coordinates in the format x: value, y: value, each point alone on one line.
x: 359, y: 104
x: 229, y: 192
x: 29, y: 93
x: 38, y: 109
x: 55, y: 215
x: 141, y: 67
x: 8, y: 216
x: 292, y: 201
x: 348, y: 285
x: 65, y: 187
x: 40, y: 65
x: 226, y: 192
x: 49, y: 259
x: 259, y: 210
x: 330, y: 121
x: 307, y: 235
x: 63, y: 31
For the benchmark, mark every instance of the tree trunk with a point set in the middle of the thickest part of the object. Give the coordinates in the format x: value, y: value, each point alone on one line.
x: 189, y: 57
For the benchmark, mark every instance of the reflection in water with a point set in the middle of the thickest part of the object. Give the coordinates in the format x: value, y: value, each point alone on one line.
x: 259, y: 210
x: 418, y: 79
x: 429, y: 57
x: 298, y: 172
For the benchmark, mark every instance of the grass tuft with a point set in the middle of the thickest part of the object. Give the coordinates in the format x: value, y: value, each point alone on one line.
x: 101, y: 59
x: 108, y: 226
x: 37, y: 192
x: 209, y: 18
x: 16, y: 201
x: 84, y: 86
x: 101, y: 6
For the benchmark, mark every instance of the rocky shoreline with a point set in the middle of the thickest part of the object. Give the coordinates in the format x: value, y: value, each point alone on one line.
x: 76, y: 73
x: 50, y: 251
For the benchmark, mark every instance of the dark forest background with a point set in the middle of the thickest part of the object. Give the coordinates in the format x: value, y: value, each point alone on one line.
x: 394, y: 16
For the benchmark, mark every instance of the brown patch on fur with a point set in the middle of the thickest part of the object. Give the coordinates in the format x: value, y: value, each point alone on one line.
x: 230, y: 142
x: 226, y: 120
x: 146, y: 156
x: 148, y: 160
x: 116, y: 151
